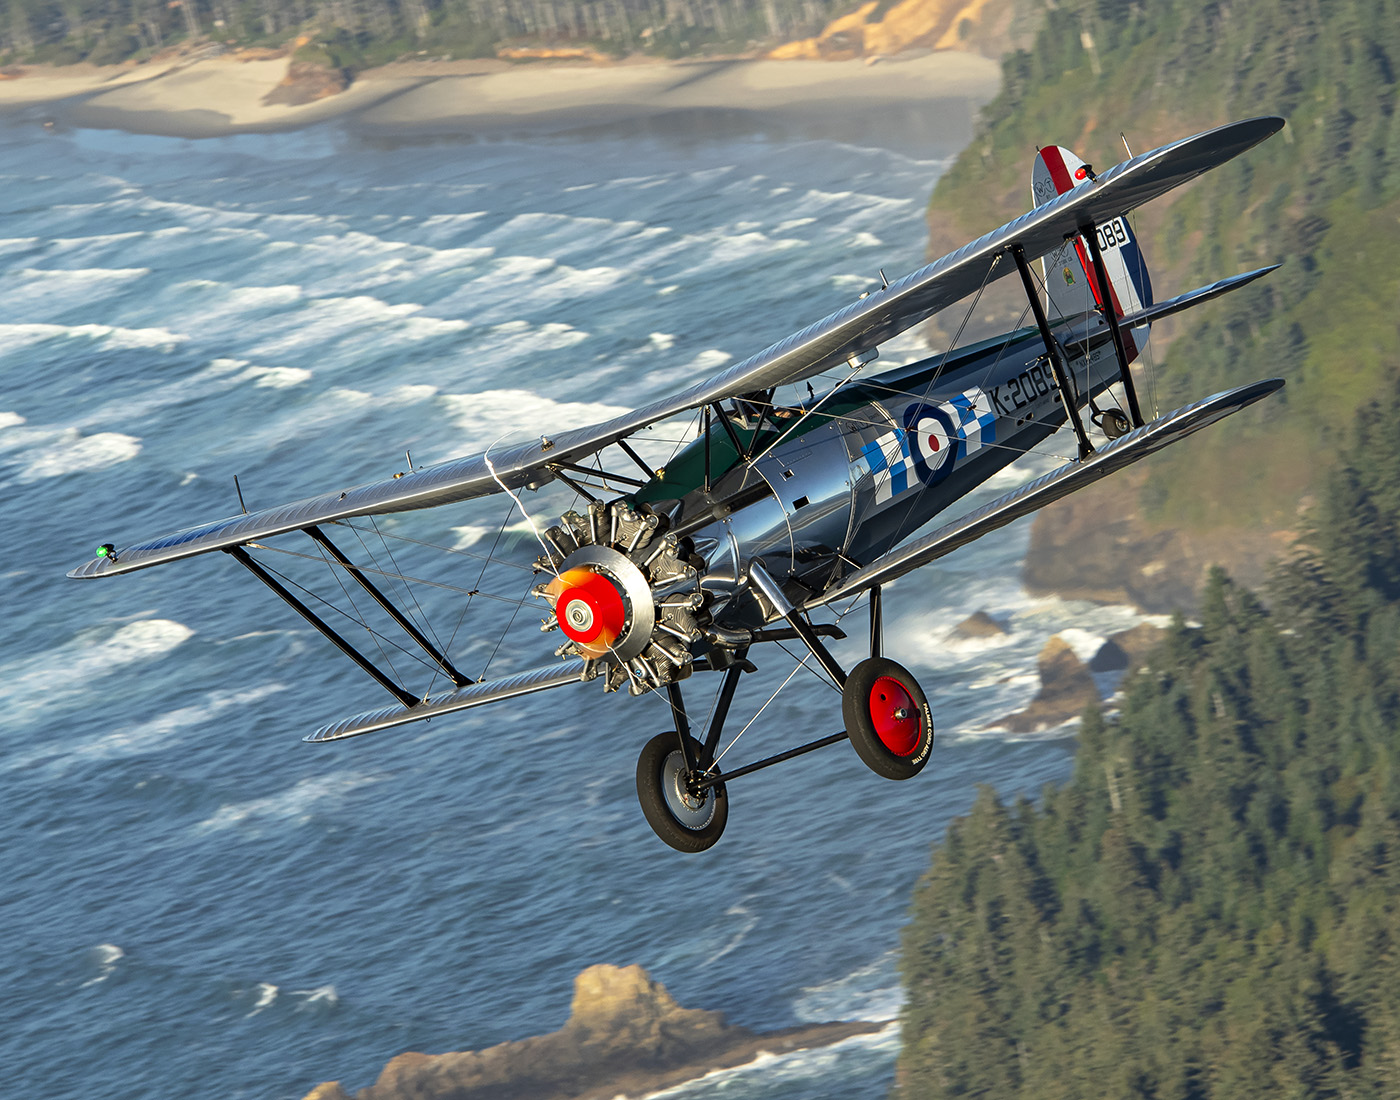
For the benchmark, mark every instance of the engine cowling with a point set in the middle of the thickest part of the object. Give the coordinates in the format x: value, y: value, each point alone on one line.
x: 622, y: 596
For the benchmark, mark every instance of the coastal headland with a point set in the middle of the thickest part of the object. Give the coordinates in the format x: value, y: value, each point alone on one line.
x: 232, y: 94
x: 625, y: 1036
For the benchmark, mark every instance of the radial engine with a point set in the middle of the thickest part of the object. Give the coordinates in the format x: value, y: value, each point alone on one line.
x: 625, y: 594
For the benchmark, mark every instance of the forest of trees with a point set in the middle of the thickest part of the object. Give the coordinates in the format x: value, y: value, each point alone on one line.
x: 1323, y: 198
x: 1211, y: 906
x: 355, y: 34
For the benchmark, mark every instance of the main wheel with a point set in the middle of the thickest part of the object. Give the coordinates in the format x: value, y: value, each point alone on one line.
x: 686, y: 820
x: 887, y: 718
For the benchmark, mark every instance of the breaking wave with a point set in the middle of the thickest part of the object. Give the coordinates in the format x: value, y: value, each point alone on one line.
x: 297, y: 805
x: 32, y: 684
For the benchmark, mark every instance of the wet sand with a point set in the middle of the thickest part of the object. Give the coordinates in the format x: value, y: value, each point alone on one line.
x: 223, y: 95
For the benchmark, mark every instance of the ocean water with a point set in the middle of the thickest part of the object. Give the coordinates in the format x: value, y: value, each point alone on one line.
x: 194, y: 900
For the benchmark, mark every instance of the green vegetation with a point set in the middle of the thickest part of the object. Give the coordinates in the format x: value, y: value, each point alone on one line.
x: 1323, y: 197
x: 1211, y: 906
x: 358, y: 34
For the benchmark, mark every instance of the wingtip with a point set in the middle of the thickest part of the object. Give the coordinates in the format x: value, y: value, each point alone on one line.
x: 1257, y: 129
x: 94, y: 567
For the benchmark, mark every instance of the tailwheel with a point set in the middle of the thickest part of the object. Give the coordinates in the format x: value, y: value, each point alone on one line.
x: 687, y: 819
x: 887, y: 718
x: 1114, y: 424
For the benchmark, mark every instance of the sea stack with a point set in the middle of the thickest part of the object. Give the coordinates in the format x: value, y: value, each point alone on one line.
x: 625, y: 1035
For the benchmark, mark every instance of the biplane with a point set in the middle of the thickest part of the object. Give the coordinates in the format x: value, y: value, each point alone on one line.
x: 778, y: 509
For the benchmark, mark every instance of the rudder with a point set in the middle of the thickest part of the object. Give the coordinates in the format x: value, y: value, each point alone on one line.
x: 1070, y: 290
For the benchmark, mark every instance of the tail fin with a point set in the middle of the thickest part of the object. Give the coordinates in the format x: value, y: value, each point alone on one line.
x: 1070, y: 290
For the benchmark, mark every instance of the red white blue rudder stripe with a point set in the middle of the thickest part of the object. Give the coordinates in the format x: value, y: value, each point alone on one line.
x: 1070, y: 290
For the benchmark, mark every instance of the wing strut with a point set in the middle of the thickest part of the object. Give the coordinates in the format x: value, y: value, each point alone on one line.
x: 1090, y: 233
x: 1052, y: 349
x: 394, y: 613
x: 315, y: 620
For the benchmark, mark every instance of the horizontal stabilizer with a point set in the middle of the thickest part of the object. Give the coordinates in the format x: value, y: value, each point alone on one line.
x: 836, y: 339
x: 1194, y: 297
x: 1054, y: 485
x: 473, y: 695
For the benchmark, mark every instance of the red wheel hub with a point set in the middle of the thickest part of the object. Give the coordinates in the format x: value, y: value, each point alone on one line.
x: 589, y: 607
x: 895, y: 716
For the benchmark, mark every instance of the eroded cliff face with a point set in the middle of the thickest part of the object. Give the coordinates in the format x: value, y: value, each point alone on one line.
x: 880, y: 29
x: 1098, y: 545
x: 625, y: 1036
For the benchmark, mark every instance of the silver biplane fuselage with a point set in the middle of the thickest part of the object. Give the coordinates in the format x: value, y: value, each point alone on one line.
x: 874, y: 462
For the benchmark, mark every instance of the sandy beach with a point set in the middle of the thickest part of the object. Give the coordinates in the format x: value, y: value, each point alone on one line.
x: 224, y: 95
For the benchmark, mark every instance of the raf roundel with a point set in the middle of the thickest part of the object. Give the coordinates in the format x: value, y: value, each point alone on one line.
x: 935, y: 446
x: 935, y: 441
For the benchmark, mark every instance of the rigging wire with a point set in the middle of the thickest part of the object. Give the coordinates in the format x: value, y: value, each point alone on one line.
x: 360, y: 615
x: 819, y: 673
x: 438, y: 546
x: 548, y: 552
x: 385, y: 573
x: 715, y: 763
x: 426, y: 624
x: 338, y: 610
x: 497, y: 647
x: 505, y: 519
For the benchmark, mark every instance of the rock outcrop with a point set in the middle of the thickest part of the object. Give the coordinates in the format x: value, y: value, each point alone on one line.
x: 1066, y: 688
x: 1067, y: 683
x: 978, y: 625
x: 625, y: 1036
x: 307, y: 82
x: 1127, y: 649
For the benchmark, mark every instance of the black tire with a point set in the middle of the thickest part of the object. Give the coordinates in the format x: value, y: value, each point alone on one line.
x: 686, y: 824
x: 1115, y: 425
x: 891, y: 746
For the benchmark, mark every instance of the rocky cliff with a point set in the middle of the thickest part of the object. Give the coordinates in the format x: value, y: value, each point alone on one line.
x: 1099, y: 545
x: 625, y: 1036
x: 879, y: 28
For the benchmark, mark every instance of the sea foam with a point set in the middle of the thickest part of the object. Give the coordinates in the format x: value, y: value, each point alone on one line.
x: 297, y: 805
x: 75, y: 453
x: 32, y: 684
x: 480, y: 416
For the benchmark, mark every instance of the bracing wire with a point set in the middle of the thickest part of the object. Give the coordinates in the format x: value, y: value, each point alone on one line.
x: 359, y: 616
x: 384, y: 573
x: 505, y: 520
x: 548, y: 551
x: 423, y: 615
x: 735, y: 739
x: 438, y: 546
x: 340, y: 610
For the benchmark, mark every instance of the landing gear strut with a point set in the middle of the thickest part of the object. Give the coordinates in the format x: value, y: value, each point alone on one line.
x: 886, y: 713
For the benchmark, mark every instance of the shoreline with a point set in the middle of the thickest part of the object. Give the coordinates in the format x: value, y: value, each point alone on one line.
x: 223, y: 96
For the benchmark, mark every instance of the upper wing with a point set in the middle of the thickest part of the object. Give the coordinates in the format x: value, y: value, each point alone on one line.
x: 840, y: 336
x: 1054, y: 485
